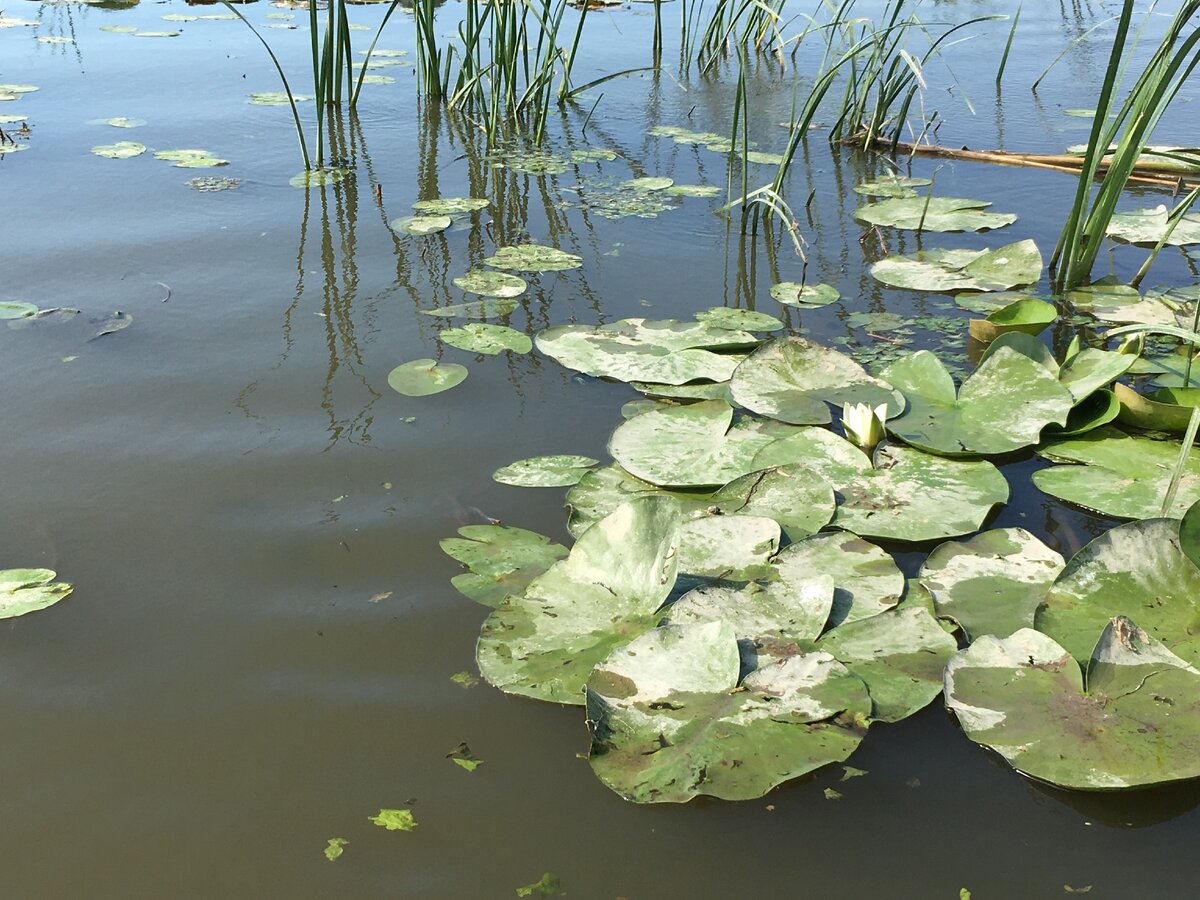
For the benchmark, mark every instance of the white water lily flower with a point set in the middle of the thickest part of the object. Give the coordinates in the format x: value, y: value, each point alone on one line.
x: 865, y: 427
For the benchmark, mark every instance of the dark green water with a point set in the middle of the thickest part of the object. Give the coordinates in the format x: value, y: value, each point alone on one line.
x: 229, y: 481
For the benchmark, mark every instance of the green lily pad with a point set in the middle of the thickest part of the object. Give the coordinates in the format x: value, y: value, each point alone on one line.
x: 738, y: 319
x: 653, y: 183
x: 546, y: 886
x: 659, y: 352
x: 891, y: 186
x: 1149, y: 226
x: 1028, y: 316
x: 592, y: 154
x: 533, y: 258
x: 13, y: 309
x: 394, y: 819
x: 1189, y: 533
x: 1101, y: 408
x: 986, y: 304
x: 12, y: 148
x: 731, y: 548
x: 866, y: 579
x: 157, y: 34
x: 545, y: 471
x: 17, y: 88
x: 190, y: 159
x: 422, y: 377
x: 276, y: 98
x: 449, y: 206
x: 479, y: 309
x: 905, y: 495
x: 120, y: 122
x: 420, y: 225
x: 544, y: 643
x: 28, y: 590
x: 697, y: 391
x: 119, y: 29
x: 501, y: 560
x: 481, y: 337
x: 489, y: 283
x: 1003, y: 406
x: 1166, y: 409
x: 793, y: 380
x: 962, y: 270
x: 933, y: 214
x: 667, y: 724
x: 1134, y: 569
x: 789, y: 293
x: 992, y: 583
x: 801, y: 503
x: 1137, y: 723
x: 120, y: 150
x: 378, y: 79
x: 693, y: 190
x: 1082, y: 373
x: 602, y: 490
x: 318, y: 177
x: 1121, y: 475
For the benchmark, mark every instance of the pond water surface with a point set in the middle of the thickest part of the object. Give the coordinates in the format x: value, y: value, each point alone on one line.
x: 259, y: 649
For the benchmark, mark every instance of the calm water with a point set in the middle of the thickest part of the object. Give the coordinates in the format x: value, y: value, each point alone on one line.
x: 228, y: 482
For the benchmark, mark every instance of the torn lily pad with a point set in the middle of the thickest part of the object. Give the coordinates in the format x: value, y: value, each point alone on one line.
x: 449, y: 206
x: 481, y: 337
x: 545, y: 471
x: 942, y: 214
x: 667, y: 724
x: 533, y: 258
x: 951, y: 271
x: 544, y: 643
x: 794, y: 380
x: 790, y: 293
x: 489, y: 283
x: 1139, y: 569
x: 992, y: 583
x: 1134, y: 723
x: 423, y: 377
x: 24, y: 591
x: 500, y: 560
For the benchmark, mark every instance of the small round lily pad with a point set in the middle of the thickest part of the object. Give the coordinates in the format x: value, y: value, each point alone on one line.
x: 789, y: 293
x: 275, y: 98
x: 420, y: 225
x: 423, y: 377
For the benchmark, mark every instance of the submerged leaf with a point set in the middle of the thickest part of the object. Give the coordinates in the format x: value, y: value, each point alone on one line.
x: 479, y: 309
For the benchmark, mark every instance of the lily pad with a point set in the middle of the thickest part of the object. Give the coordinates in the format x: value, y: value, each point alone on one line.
x: 533, y: 258
x: 212, y: 183
x: 28, y: 590
x: 738, y: 319
x: 420, y: 225
x: 120, y: 122
x: 276, y: 98
x: 1137, y: 723
x: 962, y: 270
x: 449, y: 206
x: 1166, y: 409
x: 794, y: 380
x: 476, y: 337
x: 489, y: 283
x: 157, y: 34
x: 500, y: 559
x: 992, y: 583
x: 119, y: 29
x: 789, y: 293
x: 1149, y: 226
x: 1189, y: 533
x: 544, y: 643
x: 1002, y: 407
x: 13, y: 309
x: 731, y: 548
x: 693, y: 190
x: 892, y: 186
x: 545, y: 471
x: 933, y: 214
x: 422, y: 377
x: 653, y: 183
x: 667, y: 724
x: 1121, y: 475
x: 1137, y: 569
x: 479, y: 309
x: 800, y: 503
x: 318, y: 177
x: 603, y: 490
x: 190, y: 159
x: 120, y: 150
x: 592, y: 154
x: 866, y: 579
x: 1028, y: 316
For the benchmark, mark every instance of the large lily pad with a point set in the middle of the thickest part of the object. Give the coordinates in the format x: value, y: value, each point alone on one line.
x: 866, y: 579
x: 733, y: 548
x: 933, y: 214
x: 992, y: 583
x: 1137, y: 724
x: 667, y: 724
x: 422, y: 377
x: 793, y: 496
x: 500, y: 559
x: 1149, y: 226
x: 545, y: 471
x: 190, y: 159
x: 482, y: 337
x: 28, y: 590
x: 962, y: 270
x: 533, y: 258
x: 793, y: 380
x: 1121, y: 475
x: 1134, y: 569
x: 544, y: 643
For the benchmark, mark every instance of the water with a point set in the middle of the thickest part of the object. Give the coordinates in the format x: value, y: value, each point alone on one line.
x: 229, y: 482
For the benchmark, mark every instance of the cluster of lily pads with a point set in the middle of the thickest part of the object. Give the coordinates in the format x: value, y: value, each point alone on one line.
x: 727, y: 615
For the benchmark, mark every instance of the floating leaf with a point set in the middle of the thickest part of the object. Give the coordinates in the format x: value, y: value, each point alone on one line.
x: 1189, y: 533
x: 733, y: 548
x: 395, y: 819
x: 120, y: 122
x: 667, y: 724
x: 17, y: 88
x: 545, y: 886
x: 545, y: 471
x: 738, y: 319
x: 544, y: 643
x: 962, y: 270
x: 120, y: 150
x: 119, y: 29
x: 318, y: 177
x: 1122, y: 476
x: 992, y: 583
x: 212, y: 183
x: 892, y: 186
x: 1139, y: 569
x: 794, y: 380
x: 479, y: 309
x: 500, y: 559
x: 693, y: 190
x: 866, y: 579
x: 466, y: 679
x: 933, y: 214
x: 648, y: 184
x: 462, y: 757
x: 276, y: 98
x: 12, y: 309
x: 1137, y: 724
x: 789, y: 293
x: 592, y: 154
x: 422, y: 377
x: 601, y: 491
x: 533, y: 258
x: 801, y: 503
x: 333, y: 849
x: 1166, y: 409
x: 1149, y: 226
x: 488, y: 283
x: 118, y: 321
x: 190, y: 159
x: 1002, y: 407
x: 28, y: 590
x: 484, y: 338
x: 1028, y: 316
x: 156, y: 34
